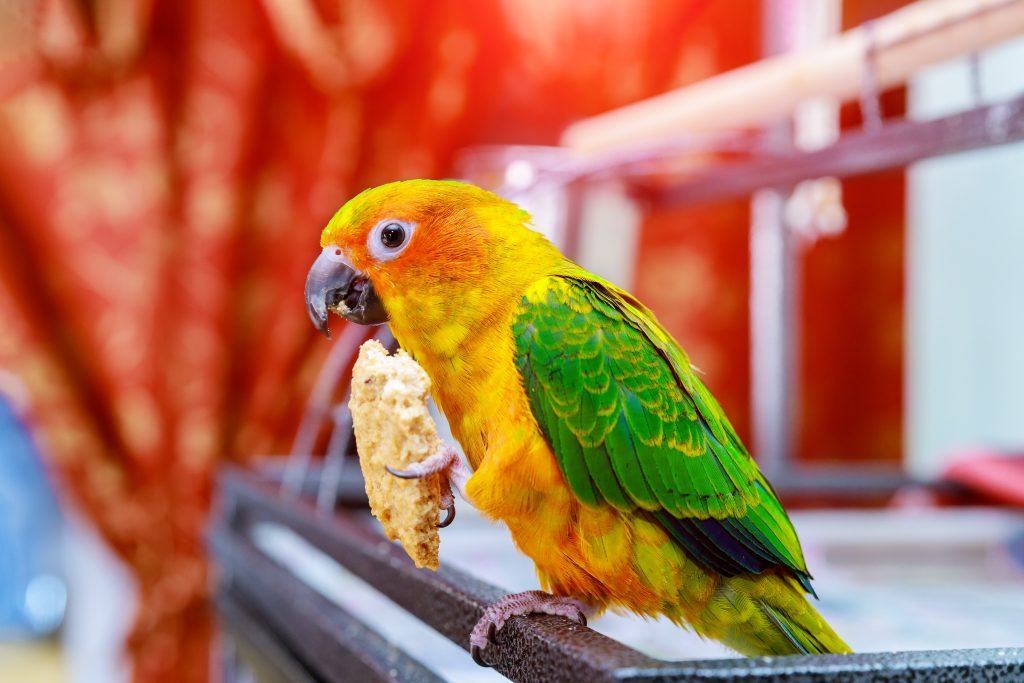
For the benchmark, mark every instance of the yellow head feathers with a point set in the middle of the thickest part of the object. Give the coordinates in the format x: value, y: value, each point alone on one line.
x: 416, y: 235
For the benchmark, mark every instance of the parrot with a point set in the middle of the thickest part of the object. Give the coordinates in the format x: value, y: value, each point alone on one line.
x: 585, y: 428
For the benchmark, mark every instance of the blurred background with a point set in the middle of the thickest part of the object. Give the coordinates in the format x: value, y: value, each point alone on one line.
x: 166, y: 168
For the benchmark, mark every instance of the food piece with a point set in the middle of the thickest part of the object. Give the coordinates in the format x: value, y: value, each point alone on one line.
x: 393, y: 427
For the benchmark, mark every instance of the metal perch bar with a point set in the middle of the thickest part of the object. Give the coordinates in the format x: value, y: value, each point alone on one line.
x: 895, y: 144
x: 312, y: 624
x: 324, y: 640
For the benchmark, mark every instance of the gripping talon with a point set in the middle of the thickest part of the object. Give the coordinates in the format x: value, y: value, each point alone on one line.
x: 449, y: 516
x: 581, y: 617
x: 402, y: 474
x: 492, y: 634
x: 476, y: 653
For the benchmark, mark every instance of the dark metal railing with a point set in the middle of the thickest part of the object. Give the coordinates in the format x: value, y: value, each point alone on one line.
x: 278, y: 628
x: 896, y: 144
x: 281, y: 629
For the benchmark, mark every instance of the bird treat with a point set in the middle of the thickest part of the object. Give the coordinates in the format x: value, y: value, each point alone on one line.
x: 394, y: 428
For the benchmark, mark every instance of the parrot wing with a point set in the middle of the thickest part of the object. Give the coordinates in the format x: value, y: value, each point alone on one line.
x: 633, y: 426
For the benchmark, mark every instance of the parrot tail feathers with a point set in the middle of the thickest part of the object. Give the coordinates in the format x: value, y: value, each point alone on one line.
x: 767, y: 614
x: 822, y: 640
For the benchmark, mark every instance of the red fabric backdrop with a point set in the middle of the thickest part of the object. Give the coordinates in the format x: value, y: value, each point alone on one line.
x: 165, y: 170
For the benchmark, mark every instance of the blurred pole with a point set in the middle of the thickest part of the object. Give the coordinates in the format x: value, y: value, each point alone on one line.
x: 772, y: 331
x: 773, y: 281
x: 318, y: 406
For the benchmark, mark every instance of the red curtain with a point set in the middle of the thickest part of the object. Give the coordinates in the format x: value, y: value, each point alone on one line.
x: 165, y: 169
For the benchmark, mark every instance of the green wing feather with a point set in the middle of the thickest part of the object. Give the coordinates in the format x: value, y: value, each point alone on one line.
x: 634, y: 427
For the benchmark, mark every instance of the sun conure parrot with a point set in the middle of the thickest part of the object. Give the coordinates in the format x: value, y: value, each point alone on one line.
x: 588, y: 432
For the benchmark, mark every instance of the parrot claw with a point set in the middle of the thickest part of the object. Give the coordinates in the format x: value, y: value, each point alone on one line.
x: 449, y: 516
x: 401, y: 474
x: 441, y: 462
x: 519, y: 604
x: 476, y: 653
x: 492, y: 633
x: 447, y: 464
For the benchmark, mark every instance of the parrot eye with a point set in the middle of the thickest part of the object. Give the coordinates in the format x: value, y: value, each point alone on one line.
x: 392, y: 235
x: 389, y: 238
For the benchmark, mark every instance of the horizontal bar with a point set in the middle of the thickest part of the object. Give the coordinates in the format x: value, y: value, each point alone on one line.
x: 892, y: 146
x: 351, y: 489
x: 894, y: 46
x: 926, y: 666
x: 332, y: 642
x: 545, y: 648
x: 833, y: 480
x: 801, y: 479
x: 247, y: 640
x: 539, y: 647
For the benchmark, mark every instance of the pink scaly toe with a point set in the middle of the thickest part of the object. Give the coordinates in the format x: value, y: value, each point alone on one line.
x: 517, y: 605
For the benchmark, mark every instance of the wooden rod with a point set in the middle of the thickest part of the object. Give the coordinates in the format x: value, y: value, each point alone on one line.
x: 894, y: 47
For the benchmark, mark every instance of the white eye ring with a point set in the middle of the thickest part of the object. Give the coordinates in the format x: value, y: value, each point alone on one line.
x: 376, y: 245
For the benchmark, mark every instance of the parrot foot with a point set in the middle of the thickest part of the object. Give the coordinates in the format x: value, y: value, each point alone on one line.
x: 520, y: 604
x: 446, y: 463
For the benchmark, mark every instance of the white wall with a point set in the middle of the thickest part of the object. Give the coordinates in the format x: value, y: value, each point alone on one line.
x: 965, y: 287
x: 102, y: 599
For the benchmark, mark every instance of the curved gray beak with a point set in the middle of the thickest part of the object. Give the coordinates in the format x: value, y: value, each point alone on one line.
x: 335, y: 286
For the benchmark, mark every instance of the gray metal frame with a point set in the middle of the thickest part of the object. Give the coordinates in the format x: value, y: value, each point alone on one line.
x: 281, y: 629
x: 775, y: 297
x: 274, y: 624
x: 766, y: 167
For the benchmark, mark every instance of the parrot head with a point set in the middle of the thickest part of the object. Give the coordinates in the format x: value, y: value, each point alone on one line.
x: 421, y: 254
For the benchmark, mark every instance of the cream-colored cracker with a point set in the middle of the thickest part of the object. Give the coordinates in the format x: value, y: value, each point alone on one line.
x: 393, y: 427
